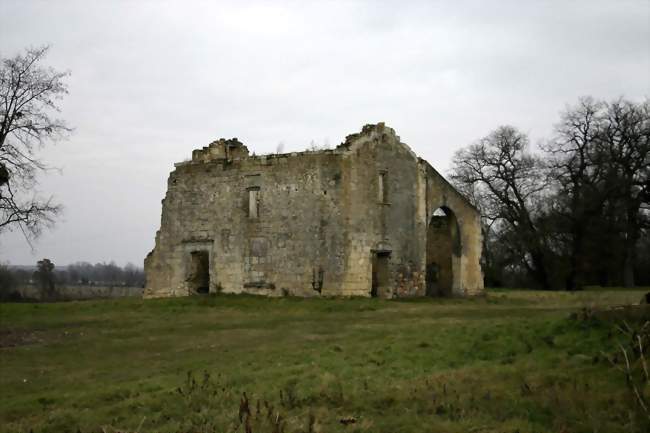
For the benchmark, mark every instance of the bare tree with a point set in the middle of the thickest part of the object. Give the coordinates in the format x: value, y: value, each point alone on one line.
x: 28, y: 100
x: 579, y: 213
x: 625, y: 145
x: 507, y: 182
x: 600, y: 158
x: 571, y: 158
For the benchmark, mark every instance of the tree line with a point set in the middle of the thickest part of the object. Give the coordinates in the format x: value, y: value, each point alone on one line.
x: 48, y: 277
x: 572, y: 212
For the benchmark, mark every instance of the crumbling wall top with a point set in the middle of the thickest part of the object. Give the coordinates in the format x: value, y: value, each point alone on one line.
x: 225, y: 149
x: 368, y: 131
x: 232, y: 149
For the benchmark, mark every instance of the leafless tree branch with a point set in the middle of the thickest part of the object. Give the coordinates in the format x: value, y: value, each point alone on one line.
x: 28, y: 98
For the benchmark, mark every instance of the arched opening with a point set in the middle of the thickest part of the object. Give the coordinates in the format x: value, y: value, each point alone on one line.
x: 199, y: 272
x: 443, y: 253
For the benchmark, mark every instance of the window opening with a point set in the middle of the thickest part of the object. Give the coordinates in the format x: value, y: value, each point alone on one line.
x: 253, y: 203
x: 382, y: 191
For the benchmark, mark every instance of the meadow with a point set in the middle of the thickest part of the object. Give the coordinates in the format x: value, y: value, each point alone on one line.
x: 512, y: 361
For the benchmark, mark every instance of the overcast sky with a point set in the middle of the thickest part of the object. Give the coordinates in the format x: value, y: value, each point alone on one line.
x: 153, y: 80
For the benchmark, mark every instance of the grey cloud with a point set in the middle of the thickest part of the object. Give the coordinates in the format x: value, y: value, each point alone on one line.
x: 153, y: 80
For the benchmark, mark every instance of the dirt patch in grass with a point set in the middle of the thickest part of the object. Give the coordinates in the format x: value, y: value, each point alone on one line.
x: 19, y: 337
x: 15, y: 337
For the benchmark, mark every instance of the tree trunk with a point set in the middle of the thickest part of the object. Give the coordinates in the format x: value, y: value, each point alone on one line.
x: 540, y: 273
x: 628, y: 269
x: 631, y: 236
x: 574, y: 280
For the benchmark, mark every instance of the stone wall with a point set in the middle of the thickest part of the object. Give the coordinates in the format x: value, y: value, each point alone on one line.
x: 309, y: 223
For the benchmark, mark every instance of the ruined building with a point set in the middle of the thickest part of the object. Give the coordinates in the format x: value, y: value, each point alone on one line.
x: 368, y: 218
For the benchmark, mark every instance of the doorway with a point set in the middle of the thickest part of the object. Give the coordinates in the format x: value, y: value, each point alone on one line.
x: 199, y: 272
x: 380, y: 274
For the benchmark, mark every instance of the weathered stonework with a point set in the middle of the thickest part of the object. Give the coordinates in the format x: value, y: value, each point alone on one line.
x: 368, y: 218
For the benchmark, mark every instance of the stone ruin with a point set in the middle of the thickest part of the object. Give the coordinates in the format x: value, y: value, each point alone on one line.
x: 368, y: 218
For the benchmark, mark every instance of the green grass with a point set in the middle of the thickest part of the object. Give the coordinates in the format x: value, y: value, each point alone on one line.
x: 510, y: 362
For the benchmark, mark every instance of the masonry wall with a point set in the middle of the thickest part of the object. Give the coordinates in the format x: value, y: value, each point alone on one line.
x: 323, y: 220
x: 295, y: 245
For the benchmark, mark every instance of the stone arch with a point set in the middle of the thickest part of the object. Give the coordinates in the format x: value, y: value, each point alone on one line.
x: 443, y: 253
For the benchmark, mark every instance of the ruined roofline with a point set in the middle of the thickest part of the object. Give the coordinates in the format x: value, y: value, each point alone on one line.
x: 233, y: 150
x: 224, y: 150
x: 374, y: 131
x: 261, y: 157
x: 368, y: 130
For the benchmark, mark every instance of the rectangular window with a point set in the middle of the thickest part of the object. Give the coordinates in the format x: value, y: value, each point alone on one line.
x: 382, y: 191
x: 253, y: 203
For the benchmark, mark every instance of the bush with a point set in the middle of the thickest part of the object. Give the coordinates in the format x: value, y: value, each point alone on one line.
x: 8, y: 283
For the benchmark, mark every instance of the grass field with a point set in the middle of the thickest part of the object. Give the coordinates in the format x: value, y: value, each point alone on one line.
x: 514, y: 361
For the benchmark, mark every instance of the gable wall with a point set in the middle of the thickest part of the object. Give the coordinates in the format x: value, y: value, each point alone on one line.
x: 376, y: 225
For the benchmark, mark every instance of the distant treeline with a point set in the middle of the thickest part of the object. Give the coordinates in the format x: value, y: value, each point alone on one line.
x: 46, y: 274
